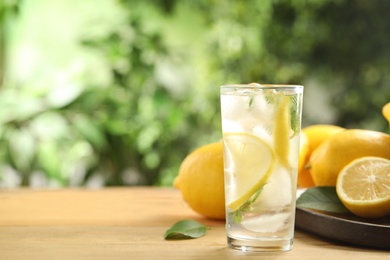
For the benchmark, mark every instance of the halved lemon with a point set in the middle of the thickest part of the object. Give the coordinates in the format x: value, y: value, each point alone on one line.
x: 249, y: 162
x: 363, y: 186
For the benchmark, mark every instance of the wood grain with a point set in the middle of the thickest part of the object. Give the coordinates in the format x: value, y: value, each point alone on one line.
x: 113, y: 207
x: 128, y: 223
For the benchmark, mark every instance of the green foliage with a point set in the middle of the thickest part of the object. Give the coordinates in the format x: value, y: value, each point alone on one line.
x: 147, y: 92
x: 353, y: 59
x: 8, y: 9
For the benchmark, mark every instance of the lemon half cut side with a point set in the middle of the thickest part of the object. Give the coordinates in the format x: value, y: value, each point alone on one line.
x: 363, y: 186
x: 249, y: 161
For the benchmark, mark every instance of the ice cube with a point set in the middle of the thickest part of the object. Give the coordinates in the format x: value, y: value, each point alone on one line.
x: 260, y: 108
x: 267, y: 223
x: 263, y: 133
x: 232, y: 126
x: 234, y: 107
x: 277, y: 192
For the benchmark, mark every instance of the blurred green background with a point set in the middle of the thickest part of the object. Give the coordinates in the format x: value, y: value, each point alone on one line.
x: 107, y: 93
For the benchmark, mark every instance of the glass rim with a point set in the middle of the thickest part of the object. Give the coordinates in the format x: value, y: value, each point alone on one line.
x: 260, y: 86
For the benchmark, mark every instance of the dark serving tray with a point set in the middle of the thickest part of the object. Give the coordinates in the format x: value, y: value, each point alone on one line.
x: 346, y: 228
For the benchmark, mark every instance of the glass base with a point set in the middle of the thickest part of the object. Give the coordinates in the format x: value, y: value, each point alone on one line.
x: 260, y: 245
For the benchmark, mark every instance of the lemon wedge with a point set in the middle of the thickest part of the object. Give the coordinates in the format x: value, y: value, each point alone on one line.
x: 282, y: 131
x: 363, y: 186
x: 249, y: 161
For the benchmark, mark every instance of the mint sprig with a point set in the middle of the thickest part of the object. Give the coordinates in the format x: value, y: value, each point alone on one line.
x: 247, y: 206
x: 295, y: 117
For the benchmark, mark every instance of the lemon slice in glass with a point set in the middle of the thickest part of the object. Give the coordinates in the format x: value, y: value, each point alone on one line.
x: 249, y: 161
x: 282, y: 130
x: 363, y: 186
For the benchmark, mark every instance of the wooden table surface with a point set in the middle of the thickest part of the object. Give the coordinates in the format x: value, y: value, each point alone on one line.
x: 128, y: 223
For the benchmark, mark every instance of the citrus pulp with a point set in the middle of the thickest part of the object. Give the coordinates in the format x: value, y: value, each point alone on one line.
x: 363, y: 186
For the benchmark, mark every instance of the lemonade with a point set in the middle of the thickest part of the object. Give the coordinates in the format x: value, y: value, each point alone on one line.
x: 261, y: 129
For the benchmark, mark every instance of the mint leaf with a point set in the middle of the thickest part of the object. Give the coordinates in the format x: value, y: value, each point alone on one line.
x: 321, y: 198
x: 251, y: 101
x: 185, y: 229
x: 295, y: 116
x: 247, y: 206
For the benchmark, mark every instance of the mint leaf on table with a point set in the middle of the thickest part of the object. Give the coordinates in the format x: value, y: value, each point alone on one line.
x: 321, y: 198
x: 185, y: 229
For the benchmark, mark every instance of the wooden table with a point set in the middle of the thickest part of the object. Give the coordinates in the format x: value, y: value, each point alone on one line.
x: 128, y: 223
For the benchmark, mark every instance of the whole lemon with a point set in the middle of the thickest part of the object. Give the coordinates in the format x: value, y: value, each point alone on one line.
x: 304, y: 177
x: 316, y: 134
x: 386, y: 112
x: 342, y: 148
x: 201, y: 180
x: 311, y: 137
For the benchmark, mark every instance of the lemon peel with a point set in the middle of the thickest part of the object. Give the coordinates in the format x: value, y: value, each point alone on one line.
x: 201, y: 180
x: 282, y: 131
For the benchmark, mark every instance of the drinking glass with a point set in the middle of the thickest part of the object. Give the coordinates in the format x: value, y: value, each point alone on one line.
x: 261, y: 128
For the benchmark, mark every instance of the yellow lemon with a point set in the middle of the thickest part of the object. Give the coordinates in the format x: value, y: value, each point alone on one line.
x: 303, y: 151
x: 363, y: 186
x: 249, y: 163
x: 282, y: 131
x: 304, y: 176
x: 318, y: 133
x: 311, y: 137
x: 342, y: 148
x: 386, y: 112
x: 201, y: 181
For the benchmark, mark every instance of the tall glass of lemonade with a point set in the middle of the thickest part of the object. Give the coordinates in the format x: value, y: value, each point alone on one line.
x: 261, y: 128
